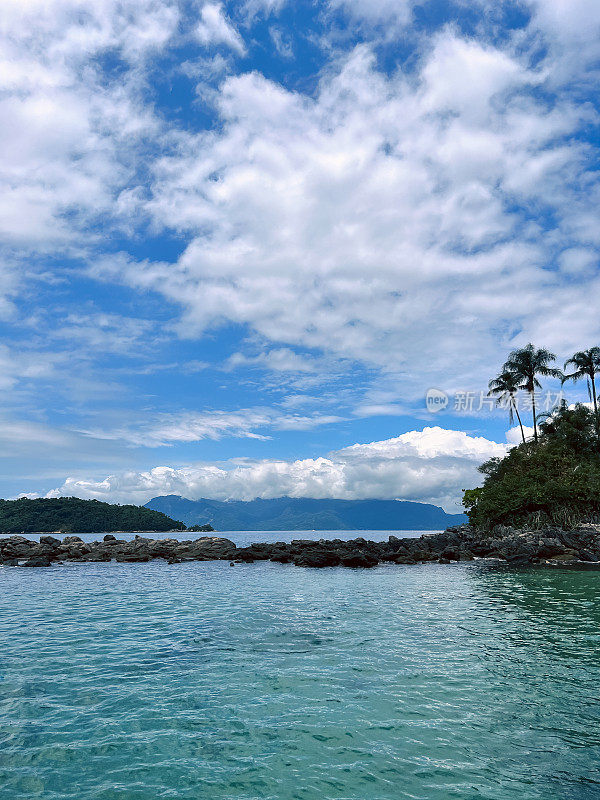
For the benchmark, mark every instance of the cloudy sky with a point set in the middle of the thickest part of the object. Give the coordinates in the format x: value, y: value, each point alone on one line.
x: 240, y: 241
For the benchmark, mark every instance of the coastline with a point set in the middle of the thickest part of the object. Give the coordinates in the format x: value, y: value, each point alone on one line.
x: 579, y: 547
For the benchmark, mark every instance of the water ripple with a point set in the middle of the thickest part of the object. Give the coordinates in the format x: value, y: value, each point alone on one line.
x: 146, y: 681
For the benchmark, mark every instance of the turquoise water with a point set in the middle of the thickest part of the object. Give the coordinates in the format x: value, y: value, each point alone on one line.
x: 199, y: 680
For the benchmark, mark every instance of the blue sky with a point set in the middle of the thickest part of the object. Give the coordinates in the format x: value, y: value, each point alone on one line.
x: 240, y: 241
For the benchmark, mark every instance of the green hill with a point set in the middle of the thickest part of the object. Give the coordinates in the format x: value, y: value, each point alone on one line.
x: 71, y: 515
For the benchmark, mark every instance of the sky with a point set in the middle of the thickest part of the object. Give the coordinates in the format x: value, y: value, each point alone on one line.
x: 240, y: 242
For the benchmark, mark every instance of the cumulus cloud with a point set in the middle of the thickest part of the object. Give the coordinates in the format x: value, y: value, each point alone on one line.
x: 68, y: 136
x: 391, y: 219
x: 387, y: 219
x: 214, y: 28
x: 431, y: 465
x: 513, y: 435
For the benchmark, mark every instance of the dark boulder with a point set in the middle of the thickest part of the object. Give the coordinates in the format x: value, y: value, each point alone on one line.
x: 317, y: 558
x: 450, y: 553
x: 50, y: 541
x: 550, y: 548
x: 38, y: 561
x: 355, y: 560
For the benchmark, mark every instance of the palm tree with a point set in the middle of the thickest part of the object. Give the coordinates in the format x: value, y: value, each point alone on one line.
x: 525, y: 364
x: 505, y: 386
x: 587, y: 365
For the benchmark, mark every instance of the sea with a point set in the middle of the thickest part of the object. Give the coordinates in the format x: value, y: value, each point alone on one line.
x: 264, y: 681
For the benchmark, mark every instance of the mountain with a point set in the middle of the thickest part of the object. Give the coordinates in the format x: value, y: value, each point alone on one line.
x: 305, y: 514
x: 71, y: 515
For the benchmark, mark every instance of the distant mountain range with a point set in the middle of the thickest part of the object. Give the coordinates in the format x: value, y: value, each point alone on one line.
x: 305, y: 514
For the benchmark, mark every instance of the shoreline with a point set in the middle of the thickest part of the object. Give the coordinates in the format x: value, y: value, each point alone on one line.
x: 551, y: 547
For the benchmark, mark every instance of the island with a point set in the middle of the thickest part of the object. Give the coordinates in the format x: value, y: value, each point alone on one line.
x: 72, y: 515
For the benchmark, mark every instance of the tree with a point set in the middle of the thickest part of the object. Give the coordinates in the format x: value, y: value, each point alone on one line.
x: 526, y: 364
x: 553, y: 482
x: 504, y: 387
x: 572, y: 429
x: 587, y: 365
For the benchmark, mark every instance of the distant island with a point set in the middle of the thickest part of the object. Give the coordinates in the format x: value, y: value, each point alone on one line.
x: 300, y: 513
x: 71, y: 515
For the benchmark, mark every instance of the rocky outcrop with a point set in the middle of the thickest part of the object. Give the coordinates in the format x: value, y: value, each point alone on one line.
x: 551, y: 546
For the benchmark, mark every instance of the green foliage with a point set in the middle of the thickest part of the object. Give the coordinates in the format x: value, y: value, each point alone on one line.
x: 71, y: 515
x: 525, y: 365
x: 504, y: 387
x: 556, y: 480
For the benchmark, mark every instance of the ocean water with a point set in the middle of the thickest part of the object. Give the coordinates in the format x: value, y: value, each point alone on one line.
x: 201, y: 680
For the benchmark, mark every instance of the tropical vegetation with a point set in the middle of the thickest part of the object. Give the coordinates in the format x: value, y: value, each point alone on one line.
x: 72, y: 515
x: 553, y: 477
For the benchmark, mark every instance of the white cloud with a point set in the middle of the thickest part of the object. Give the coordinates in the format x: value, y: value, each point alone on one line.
x: 374, y: 11
x: 280, y: 359
x: 513, y: 435
x: 19, y: 433
x: 431, y: 465
x: 20, y: 365
x: 169, y: 429
x: 214, y: 28
x: 69, y: 135
x: 90, y: 332
x: 388, y: 219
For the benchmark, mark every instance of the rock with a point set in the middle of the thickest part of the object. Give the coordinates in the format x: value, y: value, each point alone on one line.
x: 131, y: 557
x: 404, y: 558
x: 97, y: 556
x: 213, y: 547
x: 359, y: 560
x: 281, y: 557
x: 421, y: 555
x: 518, y: 560
x: 50, y: 541
x: 568, y: 555
x: 549, y: 548
x: 450, y: 553
x: 38, y: 561
x: 318, y: 558
x: 16, y: 547
x: 461, y: 543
